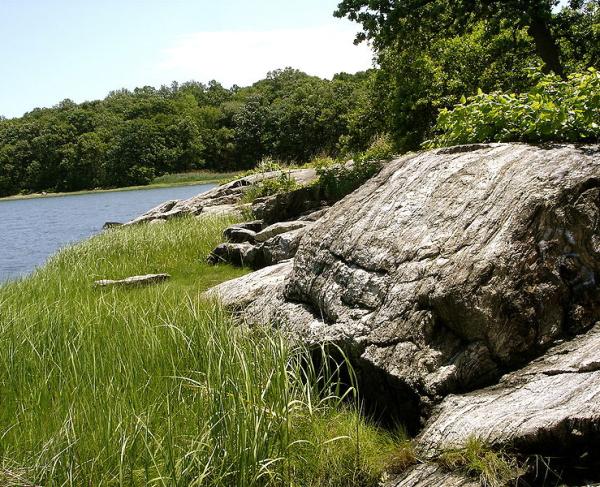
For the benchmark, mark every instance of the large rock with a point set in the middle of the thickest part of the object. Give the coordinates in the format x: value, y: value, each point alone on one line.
x: 221, y: 200
x: 447, y: 269
x: 282, y: 246
x: 290, y: 205
x: 252, y: 289
x: 553, y: 404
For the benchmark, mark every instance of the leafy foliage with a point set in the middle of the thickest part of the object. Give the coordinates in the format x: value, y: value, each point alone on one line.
x: 432, y: 52
x: 284, y: 183
x: 337, y: 180
x: 554, y: 110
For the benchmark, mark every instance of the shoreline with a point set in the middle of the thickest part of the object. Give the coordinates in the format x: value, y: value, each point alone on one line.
x: 212, y: 178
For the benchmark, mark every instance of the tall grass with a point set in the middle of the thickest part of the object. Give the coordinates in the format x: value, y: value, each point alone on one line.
x: 156, y: 386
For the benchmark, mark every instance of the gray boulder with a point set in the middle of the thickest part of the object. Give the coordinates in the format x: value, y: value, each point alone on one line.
x: 279, y: 228
x: 282, y: 247
x: 239, y: 254
x: 553, y: 405
x: 252, y: 289
x: 447, y: 269
x: 222, y: 200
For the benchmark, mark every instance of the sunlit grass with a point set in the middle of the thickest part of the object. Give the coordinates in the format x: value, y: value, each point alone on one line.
x: 155, y: 386
x: 195, y: 177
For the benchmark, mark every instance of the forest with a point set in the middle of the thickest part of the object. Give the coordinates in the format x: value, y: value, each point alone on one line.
x: 458, y: 59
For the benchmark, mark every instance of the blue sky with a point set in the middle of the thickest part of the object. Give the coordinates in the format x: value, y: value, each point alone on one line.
x: 56, y: 49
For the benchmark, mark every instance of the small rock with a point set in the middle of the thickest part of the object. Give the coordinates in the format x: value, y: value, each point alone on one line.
x: 239, y: 235
x: 282, y: 247
x: 240, y: 254
x: 279, y: 228
x: 254, y: 225
x: 134, y: 280
x: 108, y: 225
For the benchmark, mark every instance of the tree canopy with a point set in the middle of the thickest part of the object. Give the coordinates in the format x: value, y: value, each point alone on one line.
x: 132, y: 136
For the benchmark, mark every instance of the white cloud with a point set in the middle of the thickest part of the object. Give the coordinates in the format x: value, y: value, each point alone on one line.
x: 245, y: 57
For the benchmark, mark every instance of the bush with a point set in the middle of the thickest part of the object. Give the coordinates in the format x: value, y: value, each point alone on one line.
x: 284, y: 183
x: 554, y: 110
x: 338, y: 180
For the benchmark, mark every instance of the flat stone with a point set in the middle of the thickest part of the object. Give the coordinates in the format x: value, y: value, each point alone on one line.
x: 134, y: 281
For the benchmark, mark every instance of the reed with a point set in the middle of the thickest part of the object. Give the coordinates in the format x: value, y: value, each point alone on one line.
x: 157, y: 386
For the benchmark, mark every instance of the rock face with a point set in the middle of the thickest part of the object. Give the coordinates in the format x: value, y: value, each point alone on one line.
x: 134, y: 281
x: 552, y: 404
x: 224, y: 199
x: 428, y: 475
x: 447, y: 269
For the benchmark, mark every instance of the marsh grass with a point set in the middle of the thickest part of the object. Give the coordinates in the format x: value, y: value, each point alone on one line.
x: 156, y: 386
x: 194, y: 177
x: 494, y: 468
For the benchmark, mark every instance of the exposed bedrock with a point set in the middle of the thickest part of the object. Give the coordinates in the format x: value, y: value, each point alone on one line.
x: 226, y: 199
x: 552, y: 403
x: 447, y: 269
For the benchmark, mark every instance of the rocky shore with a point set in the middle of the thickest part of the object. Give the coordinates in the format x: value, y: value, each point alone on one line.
x: 462, y: 284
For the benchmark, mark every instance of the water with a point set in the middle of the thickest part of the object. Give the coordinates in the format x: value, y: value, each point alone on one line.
x: 32, y: 230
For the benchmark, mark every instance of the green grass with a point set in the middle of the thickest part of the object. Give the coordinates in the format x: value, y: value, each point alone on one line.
x: 166, y: 181
x: 156, y: 386
x: 195, y: 177
x: 476, y: 459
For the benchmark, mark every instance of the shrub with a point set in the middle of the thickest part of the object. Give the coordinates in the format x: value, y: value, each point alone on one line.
x: 554, y: 110
x: 338, y: 180
x: 284, y: 183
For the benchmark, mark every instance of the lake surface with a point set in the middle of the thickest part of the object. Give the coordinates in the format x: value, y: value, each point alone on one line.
x: 32, y: 230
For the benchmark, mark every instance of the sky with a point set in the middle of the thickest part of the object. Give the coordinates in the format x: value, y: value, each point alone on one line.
x: 82, y: 49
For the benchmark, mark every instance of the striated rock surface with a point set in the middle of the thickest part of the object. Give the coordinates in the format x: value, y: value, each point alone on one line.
x: 258, y: 289
x: 447, y: 269
x: 221, y: 200
x: 553, y: 404
x: 430, y: 475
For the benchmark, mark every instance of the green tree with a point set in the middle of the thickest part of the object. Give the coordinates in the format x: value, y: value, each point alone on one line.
x: 386, y: 22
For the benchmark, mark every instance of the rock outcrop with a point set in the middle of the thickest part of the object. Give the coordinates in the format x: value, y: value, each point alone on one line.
x: 551, y: 404
x: 447, y: 269
x: 224, y: 199
x: 430, y: 475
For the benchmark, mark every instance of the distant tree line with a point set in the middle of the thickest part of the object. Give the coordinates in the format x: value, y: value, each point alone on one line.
x: 431, y: 54
x: 131, y: 137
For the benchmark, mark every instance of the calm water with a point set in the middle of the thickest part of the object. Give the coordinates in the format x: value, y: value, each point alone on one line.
x: 33, y: 230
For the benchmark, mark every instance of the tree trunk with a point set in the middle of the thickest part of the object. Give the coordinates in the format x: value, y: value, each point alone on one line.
x: 546, y: 46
